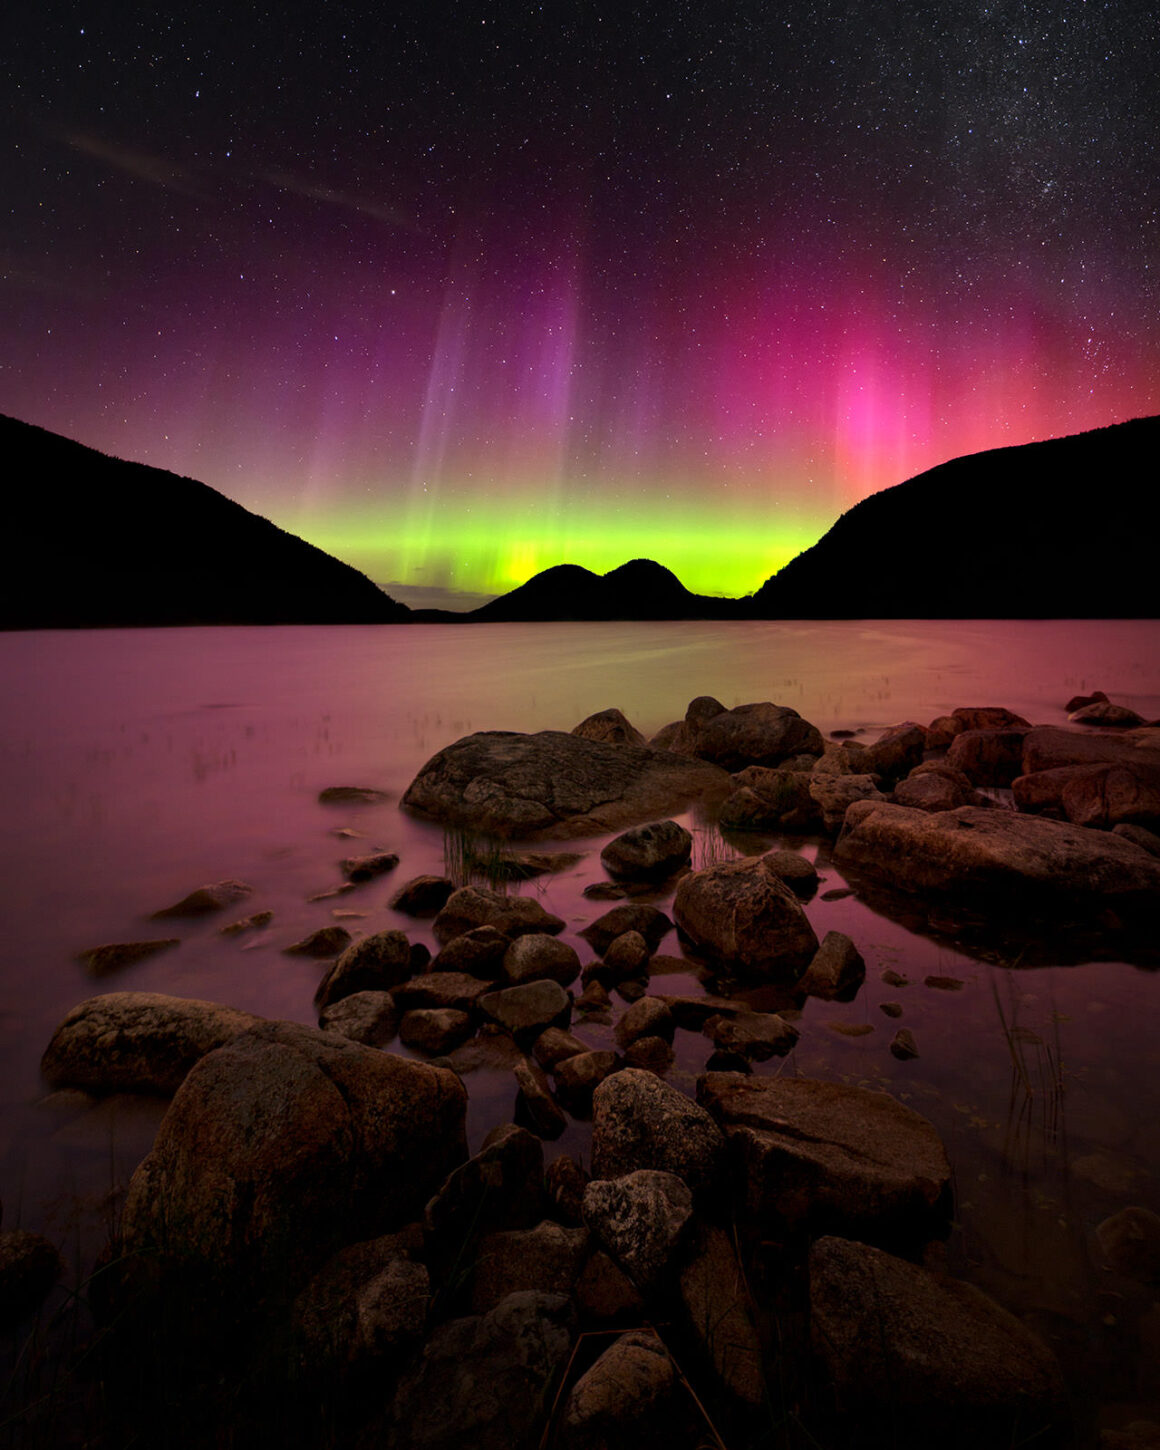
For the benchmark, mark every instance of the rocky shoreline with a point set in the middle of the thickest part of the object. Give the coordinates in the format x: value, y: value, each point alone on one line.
x: 309, y: 1251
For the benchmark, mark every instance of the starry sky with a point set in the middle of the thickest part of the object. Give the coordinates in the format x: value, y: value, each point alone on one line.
x: 459, y: 291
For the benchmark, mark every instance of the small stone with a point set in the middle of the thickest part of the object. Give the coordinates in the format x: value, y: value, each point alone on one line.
x: 247, y: 923
x: 652, y: 1054
x: 364, y: 868
x: 205, y: 899
x: 627, y: 955
x: 352, y: 795
x: 851, y: 1029
x: 657, y: 849
x: 648, y: 1017
x: 101, y: 961
x: 331, y: 892
x: 894, y: 979
x: 902, y: 1044
x: 535, y: 1107
x: 944, y: 984
x: 892, y: 1009
x: 327, y: 941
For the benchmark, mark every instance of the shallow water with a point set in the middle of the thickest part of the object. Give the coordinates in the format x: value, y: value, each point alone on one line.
x: 136, y: 765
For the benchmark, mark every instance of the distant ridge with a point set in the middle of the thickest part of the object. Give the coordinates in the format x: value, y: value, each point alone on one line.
x: 1058, y: 529
x: 97, y: 542
x: 640, y: 589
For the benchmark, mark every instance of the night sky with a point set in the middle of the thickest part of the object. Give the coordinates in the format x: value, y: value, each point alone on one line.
x: 460, y: 291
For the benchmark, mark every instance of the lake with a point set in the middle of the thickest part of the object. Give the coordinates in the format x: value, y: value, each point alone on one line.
x: 137, y: 765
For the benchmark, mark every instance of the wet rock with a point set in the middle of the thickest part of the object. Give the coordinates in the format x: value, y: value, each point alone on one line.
x: 783, y: 799
x: 891, y: 1009
x: 650, y: 1017
x: 354, y: 795
x: 247, y: 923
x: 630, y: 1397
x: 525, y: 1011
x: 799, y: 875
x: 894, y: 979
x: 536, y: 1108
x: 834, y: 794
x: 1130, y: 1241
x: 1103, y: 712
x: 944, y: 984
x: 941, y: 731
x: 547, y: 1258
x: 367, y: 1017
x: 1111, y: 795
x: 578, y: 1077
x: 29, y: 1267
x: 365, y: 868
x: 638, y: 1121
x: 652, y: 1053
x: 988, y: 717
x: 552, y: 783
x: 825, y: 1156
x: 422, y: 895
x: 375, y: 964
x: 1077, y: 702
x: 434, y: 1030
x: 280, y: 1147
x: 743, y: 916
x: 657, y: 849
x: 565, y: 1181
x: 931, y: 1359
x: 988, y: 757
x: 485, y: 1381
x: 205, y: 899
x: 756, y: 1036
x: 998, y: 857
x: 537, y: 955
x: 896, y: 751
x: 935, y: 786
x: 715, y: 1300
x: 137, y: 1041
x: 693, y: 1012
x: 652, y: 924
x: 632, y: 989
x: 902, y: 1044
x: 368, y: 1303
x: 474, y: 906
x: 850, y: 1029
x: 104, y: 960
x: 609, y: 726
x: 1047, y: 747
x: 639, y: 1219
x: 456, y: 990
x: 605, y: 891
x: 327, y: 941
x: 501, y: 1187
x: 627, y: 956
x: 477, y: 953
x: 758, y: 734
x: 594, y: 1001
x: 553, y: 1045
x: 836, y: 971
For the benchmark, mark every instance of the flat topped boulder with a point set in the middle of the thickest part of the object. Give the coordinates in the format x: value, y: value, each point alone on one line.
x: 555, y: 784
x: 828, y: 1157
x: 1026, y: 861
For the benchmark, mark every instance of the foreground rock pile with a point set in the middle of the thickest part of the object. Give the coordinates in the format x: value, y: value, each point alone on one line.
x: 310, y: 1231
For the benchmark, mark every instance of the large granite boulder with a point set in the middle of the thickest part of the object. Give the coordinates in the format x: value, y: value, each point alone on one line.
x: 928, y: 1359
x: 552, y: 783
x: 610, y: 726
x: 758, y: 734
x: 742, y: 915
x: 715, y: 1301
x: 835, y: 794
x: 375, y: 964
x: 640, y: 1219
x: 630, y: 1397
x: 657, y: 849
x: 826, y: 1157
x: 138, y: 1041
x: 1113, y: 795
x: 989, y: 757
x: 638, y: 1121
x: 999, y: 857
x: 1046, y: 747
x: 473, y: 907
x: 282, y: 1146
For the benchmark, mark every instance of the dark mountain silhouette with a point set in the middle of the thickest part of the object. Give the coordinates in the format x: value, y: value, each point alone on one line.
x: 1058, y: 529
x: 640, y: 589
x: 94, y: 541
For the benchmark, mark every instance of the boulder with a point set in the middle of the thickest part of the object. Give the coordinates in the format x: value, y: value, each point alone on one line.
x: 716, y: 1304
x: 755, y: 1036
x: 478, y: 953
x: 1103, y: 712
x: 652, y: 1053
x: 743, y: 916
x: 525, y: 1011
x: 29, y: 1267
x: 578, y: 1077
x: 366, y: 868
x: 501, y: 1187
x: 434, y: 1030
x: 941, y: 731
x: 837, y: 970
x: 652, y: 924
x: 769, y: 799
x: 799, y: 874
x: 137, y: 1041
x: 834, y: 794
x: 375, y: 964
x: 657, y: 849
x: 630, y: 1397
x: 537, y: 955
x: 205, y: 899
x: 1111, y: 795
x: 988, y: 757
x: 638, y: 1121
x: 475, y: 906
x: 282, y: 1146
x: 758, y: 734
x: 935, y: 786
x: 826, y: 1157
x: 987, y: 717
x: 327, y: 941
x: 650, y: 1017
x: 609, y: 726
x: 553, y: 1045
x: 485, y: 1382
x: 999, y: 858
x: 547, y: 1257
x: 457, y: 990
x: 371, y: 1018
x: 1046, y: 747
x: 640, y: 1219
x: 896, y: 751
x: 627, y: 956
x: 102, y: 961
x: 554, y: 784
x: 536, y: 1108
x: 1146, y: 840
x: 422, y: 895
x: 928, y: 1359
x: 1130, y: 1241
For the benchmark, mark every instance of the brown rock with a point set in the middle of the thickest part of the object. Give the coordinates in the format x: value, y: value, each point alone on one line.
x: 422, y: 895
x: 478, y: 952
x: 639, y: 1219
x: 657, y: 849
x: 758, y: 734
x: 653, y: 1054
x: 29, y: 1267
x: 834, y: 794
x: 375, y: 964
x: 756, y: 1036
x: 715, y: 1300
x: 553, y: 1045
x: 650, y: 922
x: 641, y: 1122
x: 1130, y: 1241
x: 104, y: 960
x: 367, y: 1017
x: 578, y: 1077
x: 565, y: 1181
x: 535, y: 1106
x: 456, y: 990
x: 365, y: 868
x: 327, y: 941
x: 902, y: 1044
x: 354, y: 795
x: 609, y: 726
x: 988, y: 757
x: 473, y: 906
x: 650, y: 1017
x: 525, y: 1011
x: 800, y: 875
x: 743, y: 916
x: 434, y: 1030
x: 630, y: 1397
x: 547, y: 1258
x: 205, y: 899
x: 536, y: 955
x: 837, y: 970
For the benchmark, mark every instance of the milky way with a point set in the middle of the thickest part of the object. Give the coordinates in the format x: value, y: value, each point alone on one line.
x: 459, y: 291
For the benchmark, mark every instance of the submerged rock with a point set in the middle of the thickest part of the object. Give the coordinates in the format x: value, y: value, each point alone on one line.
x: 354, y: 795
x: 554, y: 784
x: 206, y: 899
x: 103, y: 960
x: 327, y: 941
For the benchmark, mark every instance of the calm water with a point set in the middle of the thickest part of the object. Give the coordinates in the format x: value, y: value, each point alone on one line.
x: 136, y: 765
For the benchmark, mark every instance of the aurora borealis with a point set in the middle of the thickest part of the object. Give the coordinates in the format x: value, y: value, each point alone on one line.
x: 459, y: 292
